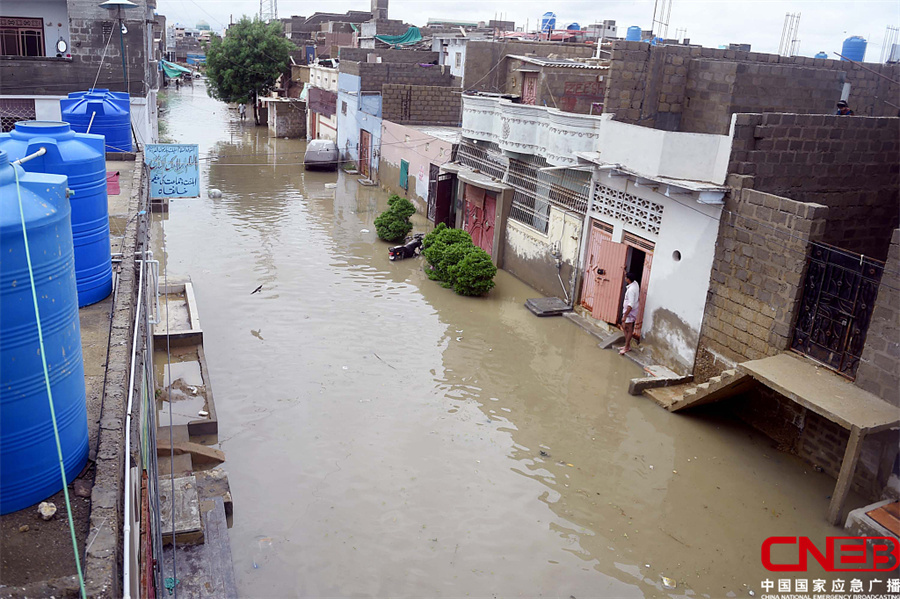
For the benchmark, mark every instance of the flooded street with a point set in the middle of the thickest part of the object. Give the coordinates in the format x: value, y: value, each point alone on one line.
x: 386, y: 437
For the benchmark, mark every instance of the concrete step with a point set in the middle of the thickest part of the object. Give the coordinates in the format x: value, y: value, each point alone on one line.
x: 665, y: 396
x: 730, y: 382
x: 184, y: 466
x: 182, y: 507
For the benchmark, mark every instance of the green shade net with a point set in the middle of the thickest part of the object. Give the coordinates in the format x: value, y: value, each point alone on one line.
x: 173, y: 70
x: 411, y: 36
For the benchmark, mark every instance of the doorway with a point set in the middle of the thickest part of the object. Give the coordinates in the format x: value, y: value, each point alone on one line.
x: 365, y: 141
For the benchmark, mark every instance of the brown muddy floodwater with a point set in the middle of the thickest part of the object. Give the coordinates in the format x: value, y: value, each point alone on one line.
x: 385, y: 437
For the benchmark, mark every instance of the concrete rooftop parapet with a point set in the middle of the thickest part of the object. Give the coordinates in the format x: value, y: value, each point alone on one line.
x: 558, y: 136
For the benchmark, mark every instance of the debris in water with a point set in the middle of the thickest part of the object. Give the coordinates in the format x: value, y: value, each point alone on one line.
x: 330, y: 185
x: 257, y: 290
x: 363, y: 230
x: 668, y: 583
x: 570, y: 465
x: 674, y: 471
x: 545, y: 454
x: 214, y: 193
x: 47, y: 509
x: 203, y: 413
x: 651, y: 466
x: 646, y: 565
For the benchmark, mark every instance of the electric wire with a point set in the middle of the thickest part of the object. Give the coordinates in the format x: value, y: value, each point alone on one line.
x: 102, y: 58
x: 37, y: 317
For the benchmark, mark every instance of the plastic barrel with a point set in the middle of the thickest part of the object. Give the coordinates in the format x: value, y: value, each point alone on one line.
x: 633, y: 34
x: 854, y: 48
x: 82, y: 159
x: 29, y: 463
x: 111, y: 112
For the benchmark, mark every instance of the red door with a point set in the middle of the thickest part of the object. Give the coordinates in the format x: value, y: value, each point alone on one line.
x: 481, y: 208
x: 365, y: 141
x: 529, y: 88
x: 609, y: 280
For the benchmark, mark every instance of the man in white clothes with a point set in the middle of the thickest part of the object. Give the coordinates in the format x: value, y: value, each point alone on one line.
x: 242, y: 109
x: 630, y: 310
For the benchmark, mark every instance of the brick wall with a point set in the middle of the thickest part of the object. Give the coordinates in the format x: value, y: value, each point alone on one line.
x: 697, y: 89
x: 421, y: 104
x: 879, y: 367
x: 374, y: 75
x: 846, y: 163
x: 482, y: 56
x: 287, y: 119
x: 756, y: 278
x: 817, y: 440
x: 389, y: 55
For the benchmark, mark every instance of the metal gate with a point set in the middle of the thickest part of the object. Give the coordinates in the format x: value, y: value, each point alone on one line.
x: 440, y: 196
x: 481, y: 207
x: 838, y: 297
x: 365, y: 141
x: 529, y: 88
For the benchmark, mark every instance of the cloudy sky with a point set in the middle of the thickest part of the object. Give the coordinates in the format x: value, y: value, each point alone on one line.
x: 824, y: 24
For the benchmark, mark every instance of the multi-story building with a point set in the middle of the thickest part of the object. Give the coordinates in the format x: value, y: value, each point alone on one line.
x: 59, y: 46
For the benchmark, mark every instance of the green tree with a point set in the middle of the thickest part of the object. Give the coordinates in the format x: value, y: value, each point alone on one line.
x: 247, y: 61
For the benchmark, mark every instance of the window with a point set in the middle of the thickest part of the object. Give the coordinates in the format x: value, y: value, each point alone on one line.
x: 629, y: 209
x: 21, y: 36
x: 343, y: 107
x: 458, y: 59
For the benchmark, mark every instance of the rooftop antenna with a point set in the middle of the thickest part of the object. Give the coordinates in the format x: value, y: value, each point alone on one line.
x: 790, y: 45
x: 890, y: 38
x: 662, y: 12
x: 268, y: 10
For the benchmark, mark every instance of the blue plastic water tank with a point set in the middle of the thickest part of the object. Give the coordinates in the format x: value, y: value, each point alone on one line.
x: 29, y: 464
x: 573, y: 27
x: 79, y: 156
x: 548, y: 21
x: 854, y: 48
x: 633, y: 34
x: 112, y: 119
x: 821, y: 55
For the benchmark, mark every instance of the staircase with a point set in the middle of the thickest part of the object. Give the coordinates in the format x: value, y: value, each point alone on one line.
x: 679, y: 397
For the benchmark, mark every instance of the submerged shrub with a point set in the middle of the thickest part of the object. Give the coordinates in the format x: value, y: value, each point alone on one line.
x: 440, y: 245
x: 393, y: 224
x: 431, y: 237
x: 474, y: 273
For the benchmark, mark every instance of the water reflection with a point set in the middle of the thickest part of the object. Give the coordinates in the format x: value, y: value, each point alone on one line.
x: 387, y: 437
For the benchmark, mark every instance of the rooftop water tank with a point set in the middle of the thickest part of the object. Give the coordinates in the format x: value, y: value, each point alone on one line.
x: 573, y: 27
x: 79, y: 156
x: 854, y: 48
x: 111, y: 112
x: 633, y: 34
x: 548, y: 21
x: 821, y: 55
x: 29, y: 463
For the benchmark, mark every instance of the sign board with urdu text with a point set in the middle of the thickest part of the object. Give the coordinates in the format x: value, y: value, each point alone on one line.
x: 174, y: 170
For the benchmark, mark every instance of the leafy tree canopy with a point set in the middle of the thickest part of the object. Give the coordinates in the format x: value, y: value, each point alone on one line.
x: 247, y: 61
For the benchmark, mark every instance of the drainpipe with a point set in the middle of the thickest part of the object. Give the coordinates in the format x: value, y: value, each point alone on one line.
x: 126, y: 560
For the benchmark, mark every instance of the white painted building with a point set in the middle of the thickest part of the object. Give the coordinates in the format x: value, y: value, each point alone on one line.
x: 608, y: 197
x: 321, y: 99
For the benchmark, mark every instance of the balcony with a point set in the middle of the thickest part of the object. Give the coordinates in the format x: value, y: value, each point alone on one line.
x: 561, y: 138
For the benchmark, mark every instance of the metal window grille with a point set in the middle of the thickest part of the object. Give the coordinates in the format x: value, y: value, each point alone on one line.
x: 629, y: 209
x: 530, y: 201
x: 15, y: 110
x: 484, y: 157
x: 21, y: 36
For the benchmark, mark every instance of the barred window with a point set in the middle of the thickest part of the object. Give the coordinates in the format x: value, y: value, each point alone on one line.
x: 629, y: 209
x: 21, y: 36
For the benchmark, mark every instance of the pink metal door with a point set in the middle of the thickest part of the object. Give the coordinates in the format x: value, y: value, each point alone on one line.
x: 610, y: 277
x: 529, y: 88
x: 590, y: 279
x: 481, y: 209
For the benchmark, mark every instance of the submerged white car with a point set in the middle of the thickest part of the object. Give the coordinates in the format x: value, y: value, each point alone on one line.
x: 321, y: 154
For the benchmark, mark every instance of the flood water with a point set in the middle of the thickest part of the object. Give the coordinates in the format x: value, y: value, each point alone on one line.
x: 386, y: 437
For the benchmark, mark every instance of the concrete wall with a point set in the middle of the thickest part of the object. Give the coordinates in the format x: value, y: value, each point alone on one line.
x: 482, y: 56
x: 879, y: 366
x: 697, y: 89
x: 362, y: 112
x: 375, y: 75
x: 757, y: 278
x: 817, y: 440
x: 287, y: 119
x: 528, y: 253
x: 419, y: 149
x: 455, y: 48
x: 422, y: 105
x: 53, y: 12
x: 846, y: 163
